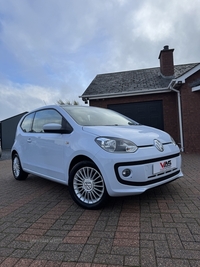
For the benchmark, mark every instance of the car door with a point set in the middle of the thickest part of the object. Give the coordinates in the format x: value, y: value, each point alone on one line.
x: 47, y: 149
x: 24, y: 141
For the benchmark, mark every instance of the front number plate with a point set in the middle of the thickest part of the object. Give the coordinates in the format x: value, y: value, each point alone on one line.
x: 163, y: 166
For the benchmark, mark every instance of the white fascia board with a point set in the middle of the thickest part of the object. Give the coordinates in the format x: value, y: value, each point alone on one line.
x: 196, y: 88
x: 183, y: 77
x: 124, y: 94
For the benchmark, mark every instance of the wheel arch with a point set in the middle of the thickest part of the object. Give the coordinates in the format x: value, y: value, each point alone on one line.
x: 81, y: 157
x: 13, y: 153
x: 77, y: 159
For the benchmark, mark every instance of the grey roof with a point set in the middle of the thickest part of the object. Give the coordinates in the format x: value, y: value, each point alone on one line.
x: 134, y: 80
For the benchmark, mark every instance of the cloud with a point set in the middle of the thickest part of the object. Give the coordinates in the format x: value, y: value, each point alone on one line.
x: 55, y: 48
x: 20, y: 98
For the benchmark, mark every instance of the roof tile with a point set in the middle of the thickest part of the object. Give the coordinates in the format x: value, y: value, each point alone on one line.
x: 134, y: 80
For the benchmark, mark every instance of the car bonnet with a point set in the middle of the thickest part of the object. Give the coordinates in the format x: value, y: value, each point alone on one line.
x: 139, y: 134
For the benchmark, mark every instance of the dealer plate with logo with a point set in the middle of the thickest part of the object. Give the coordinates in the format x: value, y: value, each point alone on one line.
x: 163, y: 166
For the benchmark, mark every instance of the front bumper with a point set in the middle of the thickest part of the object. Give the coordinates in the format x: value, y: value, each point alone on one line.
x: 145, y: 168
x: 142, y: 175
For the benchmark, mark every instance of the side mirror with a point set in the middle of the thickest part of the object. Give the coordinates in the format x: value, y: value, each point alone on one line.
x: 55, y: 128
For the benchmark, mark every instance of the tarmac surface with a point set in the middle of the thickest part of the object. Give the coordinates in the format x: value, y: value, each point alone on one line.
x: 41, y: 226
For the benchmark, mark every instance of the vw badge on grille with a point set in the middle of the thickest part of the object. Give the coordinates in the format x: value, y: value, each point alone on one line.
x: 158, y: 145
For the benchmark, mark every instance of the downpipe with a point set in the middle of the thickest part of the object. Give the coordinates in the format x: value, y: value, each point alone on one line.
x: 180, y: 117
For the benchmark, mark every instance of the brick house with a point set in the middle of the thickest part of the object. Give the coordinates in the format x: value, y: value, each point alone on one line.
x: 165, y: 97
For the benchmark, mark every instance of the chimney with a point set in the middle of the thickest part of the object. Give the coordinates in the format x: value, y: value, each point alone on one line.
x: 166, y: 61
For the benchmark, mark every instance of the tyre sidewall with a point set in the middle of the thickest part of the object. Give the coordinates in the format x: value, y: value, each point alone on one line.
x: 22, y: 175
x: 73, y: 171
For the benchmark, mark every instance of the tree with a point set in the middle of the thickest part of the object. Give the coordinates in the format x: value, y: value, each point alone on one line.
x: 60, y: 102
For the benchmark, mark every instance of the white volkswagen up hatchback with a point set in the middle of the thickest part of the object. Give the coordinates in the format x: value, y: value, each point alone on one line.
x: 96, y: 152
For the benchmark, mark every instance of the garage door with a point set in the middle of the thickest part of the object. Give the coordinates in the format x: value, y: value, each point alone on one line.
x: 148, y: 113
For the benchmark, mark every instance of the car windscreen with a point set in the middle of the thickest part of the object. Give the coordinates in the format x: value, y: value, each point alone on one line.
x: 92, y: 116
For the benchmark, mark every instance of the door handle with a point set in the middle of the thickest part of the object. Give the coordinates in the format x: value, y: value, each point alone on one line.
x: 29, y: 140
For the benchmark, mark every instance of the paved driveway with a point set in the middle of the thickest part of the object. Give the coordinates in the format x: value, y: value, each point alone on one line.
x: 41, y: 226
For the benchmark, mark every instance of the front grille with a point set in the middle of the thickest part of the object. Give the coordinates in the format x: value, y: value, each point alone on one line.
x: 150, y: 181
x: 153, y: 179
x: 162, y: 173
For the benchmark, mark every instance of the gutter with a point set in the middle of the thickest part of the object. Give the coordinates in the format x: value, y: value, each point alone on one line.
x: 124, y: 94
x: 180, y: 116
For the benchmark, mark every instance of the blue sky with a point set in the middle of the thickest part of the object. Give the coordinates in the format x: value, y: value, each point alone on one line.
x: 52, y: 49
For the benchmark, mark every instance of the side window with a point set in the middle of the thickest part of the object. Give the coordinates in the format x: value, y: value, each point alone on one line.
x: 26, y: 124
x: 46, y: 116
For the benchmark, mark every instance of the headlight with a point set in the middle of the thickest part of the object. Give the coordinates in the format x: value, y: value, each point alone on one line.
x: 173, y: 142
x: 112, y: 144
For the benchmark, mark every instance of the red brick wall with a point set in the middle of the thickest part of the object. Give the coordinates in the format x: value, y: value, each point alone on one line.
x: 170, y: 108
x: 191, y: 114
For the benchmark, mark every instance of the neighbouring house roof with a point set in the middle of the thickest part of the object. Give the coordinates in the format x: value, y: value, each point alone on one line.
x: 133, y: 82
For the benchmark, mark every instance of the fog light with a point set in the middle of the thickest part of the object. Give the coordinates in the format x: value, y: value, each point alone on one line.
x: 126, y: 172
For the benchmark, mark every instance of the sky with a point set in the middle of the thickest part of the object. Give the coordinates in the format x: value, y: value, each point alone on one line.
x: 51, y: 50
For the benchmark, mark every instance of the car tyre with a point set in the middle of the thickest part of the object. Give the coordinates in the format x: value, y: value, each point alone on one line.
x: 17, y: 170
x: 86, y: 186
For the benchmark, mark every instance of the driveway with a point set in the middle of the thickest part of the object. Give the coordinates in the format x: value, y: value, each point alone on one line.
x: 41, y: 226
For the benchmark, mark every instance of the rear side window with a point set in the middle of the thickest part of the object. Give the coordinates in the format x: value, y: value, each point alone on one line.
x: 27, y: 122
x: 43, y: 117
